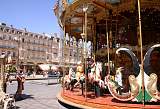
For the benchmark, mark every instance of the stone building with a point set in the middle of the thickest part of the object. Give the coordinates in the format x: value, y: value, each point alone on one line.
x: 29, y: 49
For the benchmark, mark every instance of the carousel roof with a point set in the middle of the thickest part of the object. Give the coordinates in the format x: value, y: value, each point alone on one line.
x: 71, y: 16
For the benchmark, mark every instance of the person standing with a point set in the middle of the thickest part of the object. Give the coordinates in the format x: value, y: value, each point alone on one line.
x: 20, y: 80
x: 118, y: 79
x: 7, y: 79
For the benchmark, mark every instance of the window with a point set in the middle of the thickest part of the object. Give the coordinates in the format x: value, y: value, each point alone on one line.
x: 26, y: 34
x: 4, y: 36
x: 23, y: 40
x: 47, y: 56
x: 1, y: 37
x: 7, y: 30
x: 1, y: 29
x: 55, y: 55
x: 8, y: 52
x: 71, y: 52
x: 12, y: 31
x: 57, y: 40
x: 9, y: 37
x: 14, y: 54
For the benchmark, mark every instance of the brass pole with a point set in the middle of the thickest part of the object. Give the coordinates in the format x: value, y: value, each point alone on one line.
x: 85, y: 52
x: 107, y: 48
x: 107, y: 42
x: 141, y: 47
x: 63, y: 58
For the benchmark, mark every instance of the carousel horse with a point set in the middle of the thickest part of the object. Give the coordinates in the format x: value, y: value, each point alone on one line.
x: 94, y: 75
x: 70, y: 79
x: 98, y: 75
x: 79, y: 74
x: 6, y: 100
x: 66, y: 81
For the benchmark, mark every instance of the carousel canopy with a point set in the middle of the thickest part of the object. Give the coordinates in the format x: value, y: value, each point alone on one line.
x: 71, y: 16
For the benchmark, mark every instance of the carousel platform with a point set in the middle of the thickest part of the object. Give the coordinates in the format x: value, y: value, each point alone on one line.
x: 74, y: 99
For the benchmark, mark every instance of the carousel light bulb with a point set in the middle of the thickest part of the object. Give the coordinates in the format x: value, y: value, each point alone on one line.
x: 85, y: 7
x: 82, y: 35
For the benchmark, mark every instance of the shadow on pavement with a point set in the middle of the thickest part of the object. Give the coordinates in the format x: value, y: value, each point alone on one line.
x: 67, y: 105
x: 16, y: 107
x: 52, y: 83
x: 22, y: 97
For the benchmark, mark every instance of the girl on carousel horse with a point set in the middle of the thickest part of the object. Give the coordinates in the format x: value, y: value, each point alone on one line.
x: 80, y: 76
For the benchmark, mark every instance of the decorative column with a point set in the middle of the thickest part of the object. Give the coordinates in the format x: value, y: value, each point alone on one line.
x: 141, y: 47
x: 85, y: 8
x: 63, y: 58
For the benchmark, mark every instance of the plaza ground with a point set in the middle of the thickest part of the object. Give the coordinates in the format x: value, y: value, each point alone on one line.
x: 107, y: 101
x: 37, y: 94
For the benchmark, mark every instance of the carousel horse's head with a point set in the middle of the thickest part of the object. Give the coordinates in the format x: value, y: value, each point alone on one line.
x: 119, y: 69
x: 80, y: 67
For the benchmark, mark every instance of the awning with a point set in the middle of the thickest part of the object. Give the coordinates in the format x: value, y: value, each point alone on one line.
x: 47, y: 67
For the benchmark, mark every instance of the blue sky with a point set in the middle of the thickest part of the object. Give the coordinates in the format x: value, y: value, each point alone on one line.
x: 34, y: 15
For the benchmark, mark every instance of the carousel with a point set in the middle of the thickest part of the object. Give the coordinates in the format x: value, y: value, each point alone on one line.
x: 124, y: 65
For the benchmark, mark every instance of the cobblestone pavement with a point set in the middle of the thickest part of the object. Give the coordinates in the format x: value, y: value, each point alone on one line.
x: 37, y: 94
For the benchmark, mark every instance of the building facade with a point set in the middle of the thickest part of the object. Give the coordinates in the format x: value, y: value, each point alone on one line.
x: 29, y: 49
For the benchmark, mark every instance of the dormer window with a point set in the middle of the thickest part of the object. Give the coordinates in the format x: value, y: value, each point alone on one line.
x: 26, y: 34
x: 7, y: 30
x: 18, y: 32
x: 36, y: 36
x: 12, y: 31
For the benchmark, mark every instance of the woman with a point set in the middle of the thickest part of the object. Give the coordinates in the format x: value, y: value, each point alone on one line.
x: 118, y: 79
x: 20, y: 80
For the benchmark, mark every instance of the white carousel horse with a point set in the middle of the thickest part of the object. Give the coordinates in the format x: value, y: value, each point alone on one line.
x: 5, y: 99
x: 72, y: 74
x: 73, y: 79
x: 95, y: 74
x: 68, y: 79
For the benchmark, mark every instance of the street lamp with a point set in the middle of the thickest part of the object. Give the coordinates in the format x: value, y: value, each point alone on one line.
x: 18, y: 41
